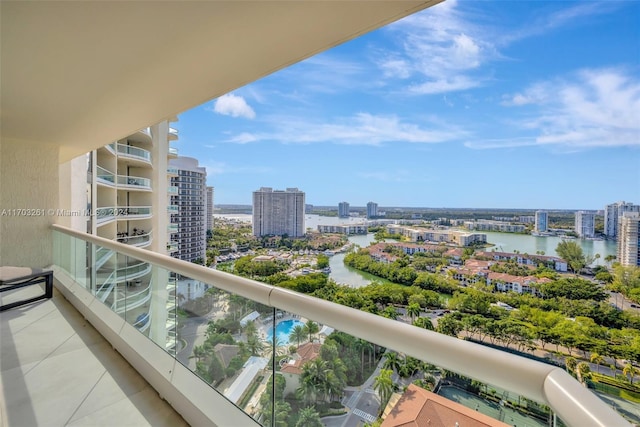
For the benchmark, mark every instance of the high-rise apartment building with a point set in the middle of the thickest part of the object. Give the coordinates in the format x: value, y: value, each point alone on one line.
x: 585, y: 224
x: 126, y: 198
x: 189, y: 224
x: 372, y: 210
x: 629, y: 239
x: 277, y: 212
x: 613, y: 214
x: 210, y: 193
x: 343, y: 209
x: 541, y: 221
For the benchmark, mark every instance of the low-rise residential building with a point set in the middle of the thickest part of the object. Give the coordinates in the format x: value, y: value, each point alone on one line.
x: 344, y: 229
x: 501, y: 226
x: 456, y: 237
x: 292, y: 369
x: 419, y: 407
x: 478, y: 271
x: 558, y: 264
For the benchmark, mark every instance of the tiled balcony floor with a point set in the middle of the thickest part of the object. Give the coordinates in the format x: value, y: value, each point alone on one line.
x: 57, y: 370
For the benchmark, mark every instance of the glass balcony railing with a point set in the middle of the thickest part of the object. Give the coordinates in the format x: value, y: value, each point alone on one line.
x: 173, y: 151
x: 140, y: 240
x: 172, y: 247
x: 173, y: 209
x: 173, y: 190
x: 274, y: 353
x: 105, y: 214
x: 111, y: 147
x: 134, y: 182
x: 105, y: 177
x: 172, y: 171
x: 172, y: 228
x: 134, y: 152
x: 133, y: 212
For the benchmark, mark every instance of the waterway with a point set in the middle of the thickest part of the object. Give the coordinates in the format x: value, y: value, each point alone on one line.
x: 504, y: 242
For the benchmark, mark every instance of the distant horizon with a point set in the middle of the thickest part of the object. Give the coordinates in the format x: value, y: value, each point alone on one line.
x: 466, y: 103
x: 382, y: 207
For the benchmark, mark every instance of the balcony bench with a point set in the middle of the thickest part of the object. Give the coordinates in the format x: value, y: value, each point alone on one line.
x: 18, y: 277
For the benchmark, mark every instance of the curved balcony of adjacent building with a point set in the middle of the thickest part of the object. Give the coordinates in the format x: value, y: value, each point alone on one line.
x: 127, y: 182
x: 128, y: 213
x: 105, y: 215
x: 136, y: 238
x: 172, y: 152
x: 111, y: 148
x: 105, y: 177
x: 131, y: 297
x: 172, y: 228
x: 173, y: 209
x: 172, y: 246
x: 142, y: 321
x: 172, y: 171
x: 102, y: 255
x: 172, y: 190
x: 173, y: 134
x: 134, y: 154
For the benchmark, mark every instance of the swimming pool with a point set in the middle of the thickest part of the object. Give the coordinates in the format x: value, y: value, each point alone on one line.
x: 283, y: 329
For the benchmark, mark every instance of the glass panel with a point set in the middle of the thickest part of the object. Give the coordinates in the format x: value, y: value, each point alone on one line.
x: 105, y: 175
x: 133, y: 180
x: 134, y: 151
x: 224, y: 339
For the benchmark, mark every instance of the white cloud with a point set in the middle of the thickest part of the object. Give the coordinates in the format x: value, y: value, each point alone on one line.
x: 440, y: 48
x: 234, y: 106
x: 360, y: 129
x: 593, y: 108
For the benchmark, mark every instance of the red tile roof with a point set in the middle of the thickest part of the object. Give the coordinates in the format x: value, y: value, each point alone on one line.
x: 421, y: 408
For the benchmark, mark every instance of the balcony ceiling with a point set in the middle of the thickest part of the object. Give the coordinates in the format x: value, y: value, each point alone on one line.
x: 82, y: 74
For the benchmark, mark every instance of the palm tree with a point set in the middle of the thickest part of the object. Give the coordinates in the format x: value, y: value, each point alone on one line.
x: 313, y: 380
x: 424, y: 323
x: 383, y: 384
x: 282, y: 410
x: 297, y: 334
x: 392, y: 361
x: 390, y: 312
x: 254, y: 345
x: 413, y: 310
x: 597, y: 359
x: 583, y: 369
x: 311, y: 328
x: 308, y: 417
x: 630, y: 371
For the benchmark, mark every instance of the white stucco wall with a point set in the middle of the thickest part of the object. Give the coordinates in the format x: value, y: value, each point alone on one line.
x: 28, y: 182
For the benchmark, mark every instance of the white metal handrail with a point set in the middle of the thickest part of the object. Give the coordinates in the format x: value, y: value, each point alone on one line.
x: 574, y: 404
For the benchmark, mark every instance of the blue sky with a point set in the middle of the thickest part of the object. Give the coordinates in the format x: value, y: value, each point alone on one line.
x: 485, y: 104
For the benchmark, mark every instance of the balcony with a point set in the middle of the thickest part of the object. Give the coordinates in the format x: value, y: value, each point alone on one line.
x: 172, y: 228
x: 134, y: 183
x: 549, y: 385
x: 134, y: 153
x: 173, y: 209
x: 173, y: 134
x: 172, y: 190
x: 172, y: 152
x: 105, y: 215
x: 139, y: 240
x: 172, y: 247
x: 172, y: 171
x: 133, y: 212
x: 105, y: 177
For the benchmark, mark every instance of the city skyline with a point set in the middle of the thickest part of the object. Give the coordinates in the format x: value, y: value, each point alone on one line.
x: 467, y: 104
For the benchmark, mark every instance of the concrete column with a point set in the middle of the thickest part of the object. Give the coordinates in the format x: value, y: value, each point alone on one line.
x: 28, y: 202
